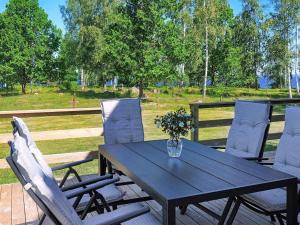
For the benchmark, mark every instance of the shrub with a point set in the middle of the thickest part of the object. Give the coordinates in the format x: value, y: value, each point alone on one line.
x: 69, y: 86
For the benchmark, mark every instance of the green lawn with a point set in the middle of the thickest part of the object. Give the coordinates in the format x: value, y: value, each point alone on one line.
x: 155, y: 104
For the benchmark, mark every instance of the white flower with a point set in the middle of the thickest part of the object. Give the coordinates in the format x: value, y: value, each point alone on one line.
x: 193, y: 129
x: 181, y: 124
x: 157, y: 124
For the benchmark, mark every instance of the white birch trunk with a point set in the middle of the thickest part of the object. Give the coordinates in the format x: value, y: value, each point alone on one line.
x: 289, y: 83
x: 82, y: 80
x: 297, y: 60
x: 206, y: 56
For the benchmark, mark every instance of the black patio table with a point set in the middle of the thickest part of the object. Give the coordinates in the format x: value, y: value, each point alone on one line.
x: 200, y: 174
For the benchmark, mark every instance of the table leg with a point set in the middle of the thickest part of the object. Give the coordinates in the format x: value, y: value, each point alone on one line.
x: 291, y: 203
x: 169, y: 215
x: 102, y: 165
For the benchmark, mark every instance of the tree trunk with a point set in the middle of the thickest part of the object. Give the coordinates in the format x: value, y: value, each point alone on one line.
x: 141, y: 90
x: 31, y: 87
x: 297, y: 61
x: 23, y: 88
x: 82, y: 80
x: 206, y: 59
x: 289, y: 83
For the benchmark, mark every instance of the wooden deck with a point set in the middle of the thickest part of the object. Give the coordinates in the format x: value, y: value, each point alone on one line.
x: 16, y: 207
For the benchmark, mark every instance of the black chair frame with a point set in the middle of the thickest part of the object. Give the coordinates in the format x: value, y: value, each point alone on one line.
x: 222, y: 218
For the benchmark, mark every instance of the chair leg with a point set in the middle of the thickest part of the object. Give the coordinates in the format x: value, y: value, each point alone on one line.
x: 234, y: 212
x: 273, y: 219
x: 279, y: 219
x: 226, y: 210
x: 183, y: 209
x: 42, y: 219
x: 109, y: 167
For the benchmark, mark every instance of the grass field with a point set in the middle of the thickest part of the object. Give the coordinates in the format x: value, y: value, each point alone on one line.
x: 157, y: 102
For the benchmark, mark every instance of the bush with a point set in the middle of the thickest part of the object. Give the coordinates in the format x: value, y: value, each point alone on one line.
x: 69, y: 86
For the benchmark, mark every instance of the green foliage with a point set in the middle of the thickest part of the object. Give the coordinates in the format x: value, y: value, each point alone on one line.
x: 29, y: 43
x: 248, y: 36
x: 175, y: 124
x: 281, y: 25
x: 69, y: 86
x: 143, y: 42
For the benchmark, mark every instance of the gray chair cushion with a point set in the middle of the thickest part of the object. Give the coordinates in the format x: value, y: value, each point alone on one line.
x: 41, y: 184
x: 22, y: 158
x: 111, y: 194
x: 25, y: 133
x: 144, y: 219
x: 271, y: 200
x: 122, y: 121
x: 287, y: 157
x: 248, y: 128
x: 121, y: 214
x: 50, y: 194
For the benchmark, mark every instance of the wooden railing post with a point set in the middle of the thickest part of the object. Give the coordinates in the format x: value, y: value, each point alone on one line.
x: 195, y: 121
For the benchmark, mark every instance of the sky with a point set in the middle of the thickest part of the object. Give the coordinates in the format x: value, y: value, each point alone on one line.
x: 53, y: 10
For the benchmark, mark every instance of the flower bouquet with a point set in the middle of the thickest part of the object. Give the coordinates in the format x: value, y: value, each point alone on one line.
x: 175, y: 124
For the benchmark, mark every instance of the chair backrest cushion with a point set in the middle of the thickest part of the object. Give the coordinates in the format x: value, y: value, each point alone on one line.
x: 287, y: 157
x: 45, y: 188
x: 25, y: 133
x: 122, y: 121
x: 248, y: 128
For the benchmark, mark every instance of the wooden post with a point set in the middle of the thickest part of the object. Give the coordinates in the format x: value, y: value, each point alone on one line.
x: 195, y: 121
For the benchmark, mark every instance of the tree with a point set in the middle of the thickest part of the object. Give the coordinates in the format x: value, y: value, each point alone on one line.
x: 85, y: 22
x: 224, y: 55
x: 206, y: 11
x: 30, y: 42
x: 281, y: 27
x: 207, y: 34
x: 6, y: 63
x: 248, y: 36
x: 154, y: 41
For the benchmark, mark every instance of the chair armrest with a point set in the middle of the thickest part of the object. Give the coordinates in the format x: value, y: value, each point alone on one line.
x: 86, y: 182
x: 68, y: 165
x: 266, y: 163
x: 120, y: 215
x: 218, y: 147
x: 255, y: 158
x: 92, y: 187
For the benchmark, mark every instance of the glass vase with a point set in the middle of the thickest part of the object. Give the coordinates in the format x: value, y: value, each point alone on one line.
x: 174, y: 147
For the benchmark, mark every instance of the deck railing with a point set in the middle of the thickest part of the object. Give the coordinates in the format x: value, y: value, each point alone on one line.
x: 196, y: 109
x: 49, y: 112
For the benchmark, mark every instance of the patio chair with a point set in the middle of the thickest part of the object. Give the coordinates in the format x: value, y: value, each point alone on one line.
x: 287, y: 159
x: 249, y: 130
x: 51, y: 200
x: 112, y: 195
x: 122, y: 123
x: 246, y: 139
x: 20, y: 126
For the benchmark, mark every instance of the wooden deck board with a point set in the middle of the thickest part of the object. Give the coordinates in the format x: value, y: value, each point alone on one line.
x: 5, y: 205
x: 31, y: 210
x: 16, y: 207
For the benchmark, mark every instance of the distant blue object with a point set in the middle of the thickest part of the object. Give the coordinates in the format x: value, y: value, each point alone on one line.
x: 3, y: 86
x: 264, y: 82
